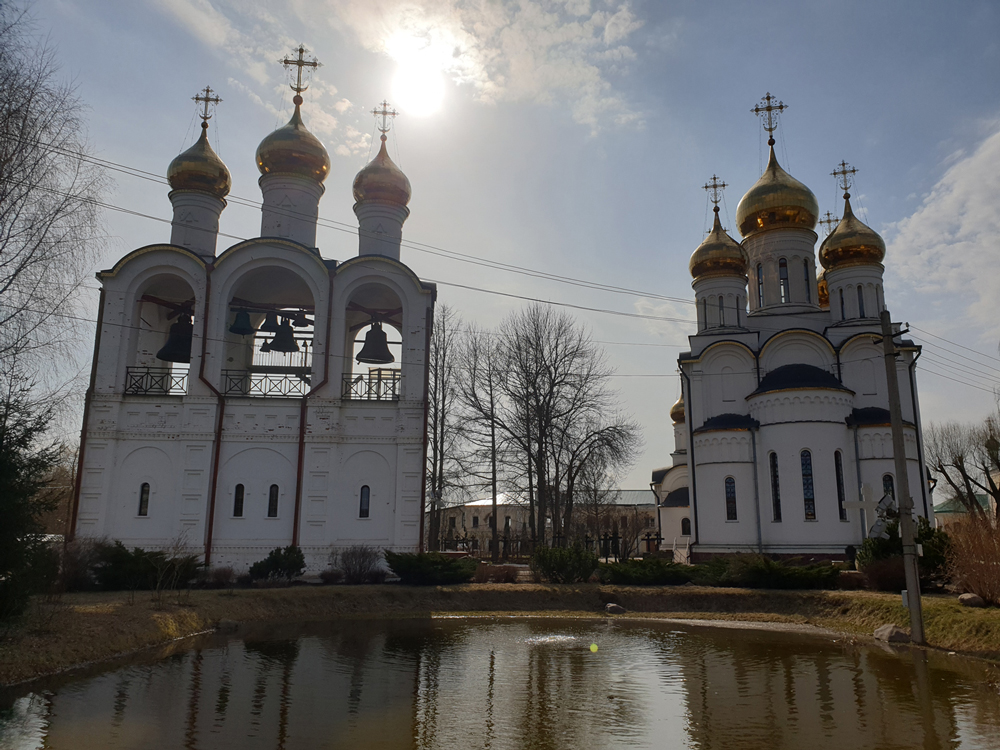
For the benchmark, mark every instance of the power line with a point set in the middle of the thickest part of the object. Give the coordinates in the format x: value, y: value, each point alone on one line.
x: 960, y: 346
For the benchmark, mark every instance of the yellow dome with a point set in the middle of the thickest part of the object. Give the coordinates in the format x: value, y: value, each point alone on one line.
x: 381, y: 180
x: 677, y: 410
x: 777, y: 200
x: 851, y: 243
x: 718, y: 255
x: 200, y: 168
x: 822, y: 290
x: 293, y: 150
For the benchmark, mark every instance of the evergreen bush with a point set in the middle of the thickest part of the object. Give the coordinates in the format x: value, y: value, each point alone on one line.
x: 933, y: 564
x: 117, y: 568
x: 564, y: 564
x: 755, y: 571
x: 430, y: 568
x: 645, y: 572
x: 280, y: 564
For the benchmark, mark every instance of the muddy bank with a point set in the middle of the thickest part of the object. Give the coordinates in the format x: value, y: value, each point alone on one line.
x: 82, y: 629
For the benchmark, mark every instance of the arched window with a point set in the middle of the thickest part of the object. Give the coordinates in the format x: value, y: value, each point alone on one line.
x: 144, y: 499
x: 364, y: 510
x: 238, y: 502
x: 861, y: 301
x: 704, y: 312
x: 843, y: 314
x: 775, y: 491
x: 685, y: 527
x: 722, y: 312
x: 808, y: 493
x: 807, y: 269
x: 760, y: 285
x: 838, y: 463
x: 783, y: 279
x: 878, y: 297
x: 730, y: 499
x: 272, y: 502
x: 888, y: 486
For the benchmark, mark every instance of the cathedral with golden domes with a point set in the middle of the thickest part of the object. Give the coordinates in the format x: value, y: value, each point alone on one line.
x: 784, y: 412
x: 262, y: 395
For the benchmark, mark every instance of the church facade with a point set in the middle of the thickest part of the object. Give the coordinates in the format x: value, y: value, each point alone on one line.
x: 263, y: 395
x: 784, y: 411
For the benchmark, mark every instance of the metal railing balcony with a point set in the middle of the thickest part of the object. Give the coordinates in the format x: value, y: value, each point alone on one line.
x: 155, y: 381
x: 290, y: 382
x: 378, y: 385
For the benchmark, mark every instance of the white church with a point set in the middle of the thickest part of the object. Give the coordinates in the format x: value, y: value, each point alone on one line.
x: 783, y: 414
x: 261, y: 395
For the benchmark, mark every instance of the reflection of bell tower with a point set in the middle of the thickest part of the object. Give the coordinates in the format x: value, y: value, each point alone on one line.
x: 382, y: 192
x: 199, y: 182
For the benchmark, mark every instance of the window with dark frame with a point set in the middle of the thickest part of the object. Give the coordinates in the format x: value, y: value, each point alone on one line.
x: 730, y: 499
x: 144, y: 499
x: 843, y: 313
x: 722, y: 312
x: 760, y: 285
x: 238, y: 501
x: 808, y: 491
x: 775, y: 491
x: 685, y: 527
x: 365, y: 509
x: 783, y: 280
x: 838, y: 462
x: 888, y: 486
x: 805, y: 264
x: 861, y: 301
x: 272, y: 502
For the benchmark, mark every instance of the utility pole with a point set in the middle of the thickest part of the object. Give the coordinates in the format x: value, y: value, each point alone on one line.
x: 905, y: 502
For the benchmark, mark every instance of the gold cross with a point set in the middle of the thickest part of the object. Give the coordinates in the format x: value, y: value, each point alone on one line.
x: 300, y: 63
x: 205, y: 97
x: 829, y: 221
x: 770, y: 112
x: 385, y: 113
x: 715, y: 189
x: 846, y: 176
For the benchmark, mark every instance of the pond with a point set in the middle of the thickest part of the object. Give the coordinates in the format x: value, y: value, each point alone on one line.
x: 514, y: 683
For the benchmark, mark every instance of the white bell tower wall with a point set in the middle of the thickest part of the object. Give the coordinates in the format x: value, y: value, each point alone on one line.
x: 290, y: 207
x: 770, y: 289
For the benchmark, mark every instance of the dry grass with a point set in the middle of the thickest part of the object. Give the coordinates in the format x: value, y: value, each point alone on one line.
x: 85, y: 628
x: 974, y: 557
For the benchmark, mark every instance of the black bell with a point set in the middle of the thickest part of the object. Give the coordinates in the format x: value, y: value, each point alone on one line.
x: 301, y: 321
x: 376, y: 349
x: 178, y: 346
x: 284, y: 339
x: 265, y: 347
x: 270, y: 323
x: 242, y: 326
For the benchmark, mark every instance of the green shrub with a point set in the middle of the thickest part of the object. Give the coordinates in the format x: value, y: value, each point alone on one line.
x: 430, y: 568
x: 280, y: 564
x: 933, y: 564
x: 117, y: 568
x: 564, y: 564
x: 754, y: 571
x: 645, y: 572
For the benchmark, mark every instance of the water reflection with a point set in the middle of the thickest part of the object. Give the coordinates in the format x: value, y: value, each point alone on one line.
x: 527, y: 684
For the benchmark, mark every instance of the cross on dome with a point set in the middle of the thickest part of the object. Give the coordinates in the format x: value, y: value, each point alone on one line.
x: 845, y: 176
x: 205, y: 97
x: 301, y: 63
x: 829, y: 221
x: 769, y: 114
x: 715, y: 188
x: 387, y: 115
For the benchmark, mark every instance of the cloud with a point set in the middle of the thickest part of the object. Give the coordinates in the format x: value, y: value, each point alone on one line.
x: 683, y: 323
x: 949, y: 245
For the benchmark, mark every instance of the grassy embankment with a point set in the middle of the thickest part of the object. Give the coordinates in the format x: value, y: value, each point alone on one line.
x: 86, y: 628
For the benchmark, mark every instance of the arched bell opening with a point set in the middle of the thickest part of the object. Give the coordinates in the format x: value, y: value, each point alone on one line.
x: 374, y: 351
x: 161, y: 338
x: 269, y: 335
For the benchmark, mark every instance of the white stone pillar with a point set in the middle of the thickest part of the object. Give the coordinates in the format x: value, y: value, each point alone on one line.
x: 290, y: 207
x: 196, y: 221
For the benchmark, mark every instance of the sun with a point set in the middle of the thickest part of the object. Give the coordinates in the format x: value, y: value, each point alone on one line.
x: 418, y: 86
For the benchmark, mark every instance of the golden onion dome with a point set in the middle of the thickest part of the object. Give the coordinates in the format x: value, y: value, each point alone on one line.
x: 851, y: 243
x: 677, y: 410
x: 718, y: 255
x: 293, y: 150
x: 822, y: 290
x: 382, y: 181
x: 200, y: 168
x: 776, y: 200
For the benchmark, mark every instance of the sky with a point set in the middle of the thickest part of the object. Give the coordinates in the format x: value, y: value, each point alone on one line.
x: 572, y: 137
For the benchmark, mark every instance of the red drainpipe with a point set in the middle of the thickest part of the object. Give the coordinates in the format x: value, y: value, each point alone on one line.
x: 214, y: 481
x: 77, y: 483
x: 302, y: 416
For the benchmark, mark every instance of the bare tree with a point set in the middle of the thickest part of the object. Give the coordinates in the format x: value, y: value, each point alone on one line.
x: 50, y: 193
x: 967, y: 457
x: 443, y: 468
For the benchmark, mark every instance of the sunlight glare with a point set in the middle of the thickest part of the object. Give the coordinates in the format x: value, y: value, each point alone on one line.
x: 418, y: 86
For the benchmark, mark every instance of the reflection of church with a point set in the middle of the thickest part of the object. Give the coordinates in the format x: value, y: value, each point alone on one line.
x: 784, y: 408
x: 264, y: 395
